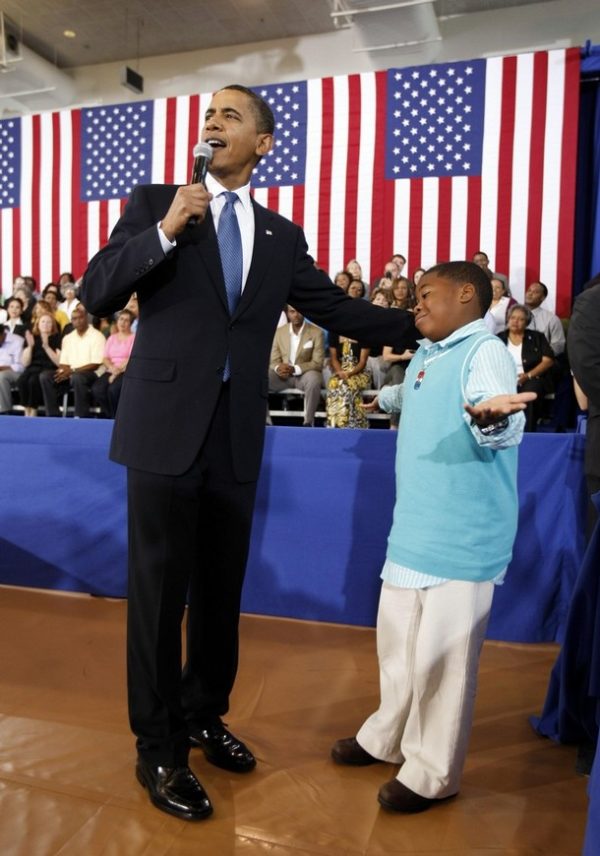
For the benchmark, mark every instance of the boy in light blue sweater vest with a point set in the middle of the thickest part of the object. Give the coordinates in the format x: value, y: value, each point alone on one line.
x: 454, y: 524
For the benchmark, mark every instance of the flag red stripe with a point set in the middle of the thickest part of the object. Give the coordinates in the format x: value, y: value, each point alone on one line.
x: 298, y: 205
x: 382, y: 206
x: 56, y: 181
x: 325, y: 178
x: 170, y: 140
x: 35, y: 198
x: 103, y: 222
x: 444, y: 218
x: 566, y: 230
x: 193, y: 130
x: 273, y: 198
x: 473, y: 215
x: 351, y: 210
x: 16, y: 243
x: 415, y: 228
x: 536, y: 168
x: 79, y: 209
x: 505, y: 163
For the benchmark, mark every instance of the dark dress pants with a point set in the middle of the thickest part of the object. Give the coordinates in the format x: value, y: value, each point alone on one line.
x: 188, y: 537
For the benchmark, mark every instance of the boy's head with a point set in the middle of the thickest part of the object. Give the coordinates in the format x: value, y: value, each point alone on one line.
x: 449, y: 296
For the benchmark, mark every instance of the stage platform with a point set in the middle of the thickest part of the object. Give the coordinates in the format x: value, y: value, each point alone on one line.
x: 323, y: 513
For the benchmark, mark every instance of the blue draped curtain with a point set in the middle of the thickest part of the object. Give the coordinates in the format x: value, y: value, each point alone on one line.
x: 587, y: 218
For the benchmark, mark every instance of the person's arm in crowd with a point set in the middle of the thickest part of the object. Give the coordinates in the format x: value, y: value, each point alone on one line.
x: 537, y: 371
x: 336, y: 366
x: 390, y: 357
x: 389, y: 399
x: 556, y: 335
x: 362, y: 362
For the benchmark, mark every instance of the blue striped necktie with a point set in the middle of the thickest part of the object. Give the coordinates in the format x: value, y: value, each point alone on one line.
x: 230, y: 250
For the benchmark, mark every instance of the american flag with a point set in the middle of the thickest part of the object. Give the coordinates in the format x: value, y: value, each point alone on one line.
x: 368, y: 164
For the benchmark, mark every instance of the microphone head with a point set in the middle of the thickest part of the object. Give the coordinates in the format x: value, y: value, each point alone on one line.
x: 203, y: 150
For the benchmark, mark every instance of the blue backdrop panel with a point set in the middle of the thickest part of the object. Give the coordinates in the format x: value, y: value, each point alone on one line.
x: 323, y: 512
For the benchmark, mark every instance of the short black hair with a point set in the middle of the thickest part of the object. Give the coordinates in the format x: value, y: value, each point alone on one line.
x: 542, y: 286
x: 463, y: 272
x: 265, y: 121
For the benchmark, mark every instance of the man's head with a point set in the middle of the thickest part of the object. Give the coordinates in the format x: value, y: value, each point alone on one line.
x: 399, y: 259
x: 391, y: 270
x: 498, y: 288
x: 79, y: 319
x: 481, y: 260
x: 295, y: 318
x: 449, y: 296
x: 535, y: 295
x: 239, y: 127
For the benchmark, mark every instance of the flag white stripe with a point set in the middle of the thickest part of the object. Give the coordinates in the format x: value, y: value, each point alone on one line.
x: 313, y: 165
x: 429, y: 233
x: 339, y: 163
x: 158, y: 140
x: 93, y: 228
x: 520, y: 172
x: 25, y: 213
x: 286, y: 201
x: 490, y: 158
x: 549, y: 244
x: 458, y: 218
x: 44, y: 192
x: 368, y: 125
x: 182, y: 168
x: 401, y: 220
x: 65, y: 191
x: 6, y: 244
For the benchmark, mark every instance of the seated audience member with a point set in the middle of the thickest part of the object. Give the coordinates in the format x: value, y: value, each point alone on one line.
x: 356, y: 288
x: 495, y: 317
x: 390, y: 271
x: 343, y: 279
x: 51, y: 294
x: 107, y: 388
x: 41, y: 353
x: 400, y: 261
x: 533, y: 358
x: 11, y: 365
x: 82, y: 352
x: 14, y: 316
x: 481, y: 260
x: 68, y: 290
x: 296, y: 362
x: 376, y: 365
x: 354, y: 269
x: 417, y: 276
x: 402, y: 296
x: 24, y: 294
x: 349, y: 378
x: 543, y: 320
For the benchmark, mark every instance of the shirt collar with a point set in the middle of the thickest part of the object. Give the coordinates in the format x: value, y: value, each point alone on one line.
x: 215, y: 187
x: 477, y: 326
x: 299, y: 333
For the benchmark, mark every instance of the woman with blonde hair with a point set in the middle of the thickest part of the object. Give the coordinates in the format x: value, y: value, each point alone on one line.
x: 41, y: 352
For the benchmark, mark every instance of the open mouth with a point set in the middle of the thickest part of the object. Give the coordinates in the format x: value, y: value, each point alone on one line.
x: 214, y: 143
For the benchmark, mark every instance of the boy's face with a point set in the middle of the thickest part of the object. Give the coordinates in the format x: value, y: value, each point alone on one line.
x: 442, y: 306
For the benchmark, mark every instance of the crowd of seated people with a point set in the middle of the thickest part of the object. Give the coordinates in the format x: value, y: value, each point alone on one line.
x: 534, y: 336
x: 50, y: 346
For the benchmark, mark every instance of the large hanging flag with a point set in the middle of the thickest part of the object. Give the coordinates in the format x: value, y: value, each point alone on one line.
x: 435, y: 162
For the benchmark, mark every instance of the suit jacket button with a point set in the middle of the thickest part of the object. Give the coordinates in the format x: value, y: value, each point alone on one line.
x: 220, y: 370
x: 150, y: 261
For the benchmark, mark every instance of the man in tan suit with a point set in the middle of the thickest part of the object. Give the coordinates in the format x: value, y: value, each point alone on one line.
x: 297, y: 358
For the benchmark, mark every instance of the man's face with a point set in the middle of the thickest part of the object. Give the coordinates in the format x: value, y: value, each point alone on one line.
x: 79, y: 320
x: 391, y: 270
x: 294, y: 317
x: 481, y: 260
x: 440, y: 307
x: 534, y: 296
x: 400, y: 261
x: 230, y: 129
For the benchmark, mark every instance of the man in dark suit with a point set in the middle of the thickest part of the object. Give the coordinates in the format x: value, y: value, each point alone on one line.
x: 190, y: 428
x: 583, y: 343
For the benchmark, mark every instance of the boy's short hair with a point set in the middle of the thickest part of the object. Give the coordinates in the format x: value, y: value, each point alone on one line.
x: 463, y: 272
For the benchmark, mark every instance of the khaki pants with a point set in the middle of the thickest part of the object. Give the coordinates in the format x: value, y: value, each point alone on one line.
x: 428, y: 644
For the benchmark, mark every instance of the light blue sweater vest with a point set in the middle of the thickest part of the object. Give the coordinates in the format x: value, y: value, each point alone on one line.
x: 456, y: 501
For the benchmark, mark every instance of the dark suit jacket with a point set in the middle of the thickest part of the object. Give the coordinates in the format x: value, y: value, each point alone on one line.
x: 583, y: 343
x: 174, y: 376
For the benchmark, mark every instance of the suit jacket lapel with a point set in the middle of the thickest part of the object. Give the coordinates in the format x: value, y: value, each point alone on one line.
x: 203, y: 239
x: 264, y: 243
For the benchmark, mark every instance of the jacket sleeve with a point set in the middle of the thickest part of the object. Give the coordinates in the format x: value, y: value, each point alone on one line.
x: 584, y: 343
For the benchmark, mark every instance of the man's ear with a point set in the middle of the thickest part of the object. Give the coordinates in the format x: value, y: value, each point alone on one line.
x: 264, y: 144
x: 467, y: 292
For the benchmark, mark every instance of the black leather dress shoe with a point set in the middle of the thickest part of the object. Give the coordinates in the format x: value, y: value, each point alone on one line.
x: 349, y: 751
x: 175, y: 790
x: 222, y: 749
x: 395, y: 796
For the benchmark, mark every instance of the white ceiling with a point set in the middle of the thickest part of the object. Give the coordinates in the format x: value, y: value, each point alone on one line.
x: 116, y: 30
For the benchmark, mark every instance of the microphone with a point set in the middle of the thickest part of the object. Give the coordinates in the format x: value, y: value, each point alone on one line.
x: 202, y: 157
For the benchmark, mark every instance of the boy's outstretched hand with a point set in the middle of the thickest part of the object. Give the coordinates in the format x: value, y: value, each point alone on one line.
x: 496, y: 408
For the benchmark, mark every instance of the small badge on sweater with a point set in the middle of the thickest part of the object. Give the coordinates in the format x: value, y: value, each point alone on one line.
x: 419, y: 379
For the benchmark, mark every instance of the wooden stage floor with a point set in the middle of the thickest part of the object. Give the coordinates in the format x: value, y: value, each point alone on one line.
x: 67, y: 785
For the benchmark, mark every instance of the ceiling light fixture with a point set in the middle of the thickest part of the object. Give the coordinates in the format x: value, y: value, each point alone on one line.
x: 69, y: 34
